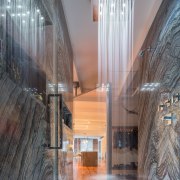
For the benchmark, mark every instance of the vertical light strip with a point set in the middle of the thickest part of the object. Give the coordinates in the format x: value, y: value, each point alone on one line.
x: 115, y: 53
x: 115, y: 31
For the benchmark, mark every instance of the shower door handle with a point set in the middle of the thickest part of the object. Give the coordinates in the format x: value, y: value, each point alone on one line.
x: 60, y: 120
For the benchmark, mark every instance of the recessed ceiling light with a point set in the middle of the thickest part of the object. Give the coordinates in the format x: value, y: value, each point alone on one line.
x: 152, y: 89
x: 8, y: 7
x: 111, y: 13
x: 142, y: 89
x: 150, y: 86
x: 2, y: 15
x: 12, y: 15
x: 38, y: 10
x: 156, y: 84
x: 19, y: 6
x: 61, y: 89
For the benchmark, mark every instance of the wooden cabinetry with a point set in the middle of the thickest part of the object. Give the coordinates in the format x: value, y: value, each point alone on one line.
x: 89, y: 158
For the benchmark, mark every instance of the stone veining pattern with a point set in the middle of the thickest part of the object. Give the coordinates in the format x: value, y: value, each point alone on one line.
x: 23, y: 128
x: 159, y: 144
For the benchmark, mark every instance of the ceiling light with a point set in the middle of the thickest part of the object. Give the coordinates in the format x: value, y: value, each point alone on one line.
x: 12, y: 15
x: 61, y: 89
x: 23, y: 21
x: 28, y: 12
x: 149, y: 86
x: 19, y: 6
x: 124, y: 5
x: 157, y: 84
x: 2, y: 15
x: 8, y: 7
x: 113, y: 5
x: 32, y: 20
x: 23, y: 14
x: 38, y: 10
x: 42, y: 18
x: 100, y: 9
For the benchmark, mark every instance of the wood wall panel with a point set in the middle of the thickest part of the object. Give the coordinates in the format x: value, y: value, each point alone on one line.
x: 158, y: 143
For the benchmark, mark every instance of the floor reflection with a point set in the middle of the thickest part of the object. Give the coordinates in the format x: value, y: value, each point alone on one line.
x: 88, y: 173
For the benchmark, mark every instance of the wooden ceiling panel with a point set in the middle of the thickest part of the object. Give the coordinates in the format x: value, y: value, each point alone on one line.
x: 89, y: 114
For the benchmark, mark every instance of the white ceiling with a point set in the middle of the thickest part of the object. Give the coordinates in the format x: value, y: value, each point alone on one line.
x: 84, y: 35
x: 84, y: 39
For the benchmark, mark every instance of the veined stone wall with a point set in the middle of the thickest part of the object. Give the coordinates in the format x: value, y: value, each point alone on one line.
x: 23, y: 127
x: 159, y: 143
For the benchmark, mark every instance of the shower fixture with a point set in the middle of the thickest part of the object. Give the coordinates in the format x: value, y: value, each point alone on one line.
x: 142, y: 52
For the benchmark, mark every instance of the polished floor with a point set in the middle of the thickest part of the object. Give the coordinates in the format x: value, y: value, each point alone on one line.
x: 98, y: 173
x: 88, y: 173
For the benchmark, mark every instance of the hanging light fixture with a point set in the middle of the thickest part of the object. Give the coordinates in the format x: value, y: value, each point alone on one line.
x: 115, y: 34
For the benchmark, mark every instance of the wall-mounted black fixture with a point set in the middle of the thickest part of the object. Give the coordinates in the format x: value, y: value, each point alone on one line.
x: 76, y: 86
x: 60, y: 120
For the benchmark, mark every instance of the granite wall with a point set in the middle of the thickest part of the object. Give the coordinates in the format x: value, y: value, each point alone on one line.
x: 24, y: 128
x: 159, y: 143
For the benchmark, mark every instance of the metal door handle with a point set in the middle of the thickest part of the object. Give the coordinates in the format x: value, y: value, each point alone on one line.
x: 60, y: 119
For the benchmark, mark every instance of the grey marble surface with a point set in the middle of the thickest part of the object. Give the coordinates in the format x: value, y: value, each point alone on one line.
x: 158, y: 143
x: 23, y: 128
x: 23, y: 123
